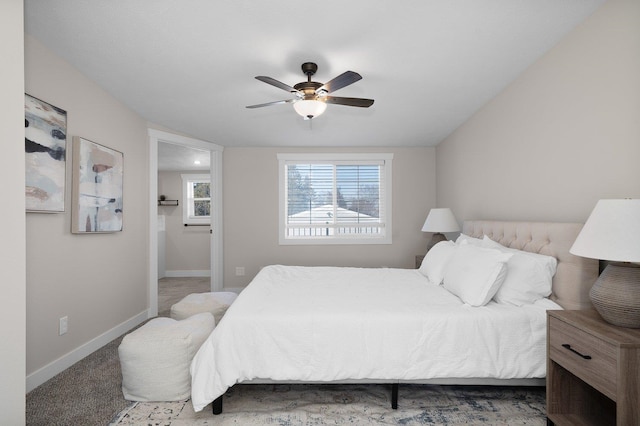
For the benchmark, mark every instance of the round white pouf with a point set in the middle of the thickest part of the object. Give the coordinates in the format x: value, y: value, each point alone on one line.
x: 216, y: 303
x: 155, y: 358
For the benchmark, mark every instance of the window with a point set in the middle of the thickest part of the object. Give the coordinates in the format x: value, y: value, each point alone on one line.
x: 196, y: 199
x: 335, y: 198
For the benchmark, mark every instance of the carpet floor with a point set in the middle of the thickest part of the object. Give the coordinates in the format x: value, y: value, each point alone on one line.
x: 353, y: 404
x: 89, y: 392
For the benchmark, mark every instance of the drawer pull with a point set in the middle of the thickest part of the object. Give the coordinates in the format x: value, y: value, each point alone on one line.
x: 568, y: 346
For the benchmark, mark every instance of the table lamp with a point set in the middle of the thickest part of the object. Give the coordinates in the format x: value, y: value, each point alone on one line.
x: 439, y: 221
x: 612, y: 233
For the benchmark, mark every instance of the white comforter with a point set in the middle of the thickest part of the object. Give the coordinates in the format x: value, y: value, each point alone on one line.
x: 327, y: 323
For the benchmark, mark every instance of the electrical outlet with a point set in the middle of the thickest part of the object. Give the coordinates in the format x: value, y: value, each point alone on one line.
x: 63, y: 326
x: 239, y: 271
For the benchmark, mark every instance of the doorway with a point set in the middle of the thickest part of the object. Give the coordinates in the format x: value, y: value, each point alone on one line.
x: 160, y: 141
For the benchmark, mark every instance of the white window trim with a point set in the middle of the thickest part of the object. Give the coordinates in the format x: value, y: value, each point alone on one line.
x: 187, y: 206
x: 351, y: 158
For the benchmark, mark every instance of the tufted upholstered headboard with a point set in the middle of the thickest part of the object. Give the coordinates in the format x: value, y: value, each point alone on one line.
x: 575, y: 275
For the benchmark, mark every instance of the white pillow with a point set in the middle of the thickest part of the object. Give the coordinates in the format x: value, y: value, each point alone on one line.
x: 529, y: 275
x: 436, y: 260
x: 474, y: 273
x: 465, y: 239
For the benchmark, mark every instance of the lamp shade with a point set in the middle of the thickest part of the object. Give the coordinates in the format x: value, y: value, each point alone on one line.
x: 309, y: 108
x: 612, y: 232
x: 441, y: 220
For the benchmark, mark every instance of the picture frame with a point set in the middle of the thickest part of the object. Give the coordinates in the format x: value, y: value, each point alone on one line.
x: 97, y: 195
x: 45, y: 140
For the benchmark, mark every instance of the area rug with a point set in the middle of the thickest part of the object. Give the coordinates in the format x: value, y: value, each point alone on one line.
x: 352, y: 404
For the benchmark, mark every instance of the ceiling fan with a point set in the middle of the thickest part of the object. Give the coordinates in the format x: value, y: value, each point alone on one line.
x: 311, y: 97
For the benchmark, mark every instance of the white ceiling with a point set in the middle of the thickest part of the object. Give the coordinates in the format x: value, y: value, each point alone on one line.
x: 173, y: 157
x: 189, y: 65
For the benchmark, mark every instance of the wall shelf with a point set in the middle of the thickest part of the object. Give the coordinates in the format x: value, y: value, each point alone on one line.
x: 167, y: 202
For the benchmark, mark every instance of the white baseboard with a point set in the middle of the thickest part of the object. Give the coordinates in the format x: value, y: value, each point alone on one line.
x: 188, y: 273
x: 45, y: 373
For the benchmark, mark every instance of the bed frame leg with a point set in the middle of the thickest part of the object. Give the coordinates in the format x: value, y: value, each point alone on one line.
x: 216, y: 405
x: 394, y: 396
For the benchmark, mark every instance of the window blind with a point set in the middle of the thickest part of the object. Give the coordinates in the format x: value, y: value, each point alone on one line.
x: 335, y: 199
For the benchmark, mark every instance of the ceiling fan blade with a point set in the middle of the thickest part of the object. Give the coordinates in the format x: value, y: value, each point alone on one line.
x: 356, y: 102
x: 343, y: 80
x: 278, y: 84
x: 287, y: 101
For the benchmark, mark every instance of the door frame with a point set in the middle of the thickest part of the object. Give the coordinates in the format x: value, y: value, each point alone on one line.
x: 215, y: 170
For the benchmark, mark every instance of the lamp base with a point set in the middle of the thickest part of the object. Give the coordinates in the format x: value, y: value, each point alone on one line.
x: 435, y: 239
x: 616, y: 295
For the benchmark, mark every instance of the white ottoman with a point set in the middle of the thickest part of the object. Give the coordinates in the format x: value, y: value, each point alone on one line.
x: 155, y: 358
x: 216, y: 303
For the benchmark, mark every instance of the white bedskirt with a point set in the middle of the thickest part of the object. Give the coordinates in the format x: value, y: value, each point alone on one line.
x: 315, y: 324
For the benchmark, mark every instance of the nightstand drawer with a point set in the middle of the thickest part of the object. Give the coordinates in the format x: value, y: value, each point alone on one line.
x: 584, y: 355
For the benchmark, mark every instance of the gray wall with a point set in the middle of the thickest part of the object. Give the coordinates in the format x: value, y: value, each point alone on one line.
x: 12, y: 244
x: 99, y: 281
x: 565, y: 134
x: 251, y: 214
x: 187, y: 248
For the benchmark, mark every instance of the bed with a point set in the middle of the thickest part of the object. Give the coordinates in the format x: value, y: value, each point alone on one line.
x: 296, y: 324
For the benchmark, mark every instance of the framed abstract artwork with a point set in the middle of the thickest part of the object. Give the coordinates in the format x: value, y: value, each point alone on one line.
x: 45, y: 147
x: 97, y: 194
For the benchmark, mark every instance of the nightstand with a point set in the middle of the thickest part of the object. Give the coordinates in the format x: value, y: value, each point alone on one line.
x: 419, y: 258
x: 593, y: 370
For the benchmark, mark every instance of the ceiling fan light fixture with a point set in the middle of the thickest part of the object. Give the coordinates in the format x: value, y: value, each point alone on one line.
x: 309, y: 108
x: 312, y: 96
